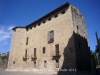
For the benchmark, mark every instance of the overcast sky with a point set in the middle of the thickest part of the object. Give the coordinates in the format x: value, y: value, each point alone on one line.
x: 23, y: 12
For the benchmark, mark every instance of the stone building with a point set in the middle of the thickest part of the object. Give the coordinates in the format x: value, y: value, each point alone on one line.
x: 57, y: 40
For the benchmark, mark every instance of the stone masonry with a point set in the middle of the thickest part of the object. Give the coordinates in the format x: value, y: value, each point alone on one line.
x: 68, y: 48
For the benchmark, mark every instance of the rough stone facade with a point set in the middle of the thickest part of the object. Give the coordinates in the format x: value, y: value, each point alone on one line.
x: 69, y: 37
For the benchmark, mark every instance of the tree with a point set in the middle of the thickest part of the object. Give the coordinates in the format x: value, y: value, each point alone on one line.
x: 95, y: 57
x: 5, y: 57
x: 98, y: 44
x: 97, y: 47
x: 97, y: 51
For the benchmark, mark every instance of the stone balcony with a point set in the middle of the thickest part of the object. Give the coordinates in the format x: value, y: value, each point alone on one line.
x: 51, y: 41
x: 24, y: 58
x: 33, y: 57
x: 56, y: 55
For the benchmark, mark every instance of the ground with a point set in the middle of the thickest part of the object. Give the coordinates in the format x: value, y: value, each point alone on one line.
x: 21, y: 73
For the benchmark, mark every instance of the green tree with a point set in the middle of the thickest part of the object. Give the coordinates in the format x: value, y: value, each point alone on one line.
x: 94, y: 54
x: 97, y: 47
x: 97, y: 51
x: 5, y: 57
x: 98, y: 44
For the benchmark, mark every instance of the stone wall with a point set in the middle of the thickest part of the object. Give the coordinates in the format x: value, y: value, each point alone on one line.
x: 17, y: 48
x: 65, y: 34
x: 63, y: 31
x: 81, y: 40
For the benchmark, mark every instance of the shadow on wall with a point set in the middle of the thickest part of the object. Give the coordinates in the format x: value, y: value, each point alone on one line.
x: 76, y: 59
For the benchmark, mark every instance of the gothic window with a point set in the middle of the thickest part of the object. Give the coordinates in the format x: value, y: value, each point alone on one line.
x: 51, y: 36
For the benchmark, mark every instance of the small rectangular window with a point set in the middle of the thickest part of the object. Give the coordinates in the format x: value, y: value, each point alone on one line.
x: 34, y: 52
x: 45, y: 64
x: 57, y: 63
x: 43, y: 49
x: 34, y: 64
x: 57, y: 49
x: 27, y: 41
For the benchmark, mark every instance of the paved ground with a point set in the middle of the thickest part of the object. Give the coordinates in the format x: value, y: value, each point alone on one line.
x: 21, y: 73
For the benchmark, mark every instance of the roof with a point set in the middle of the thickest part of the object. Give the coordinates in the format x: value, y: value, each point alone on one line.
x: 44, y: 17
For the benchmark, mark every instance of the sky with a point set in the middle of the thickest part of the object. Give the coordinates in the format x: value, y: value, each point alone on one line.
x: 23, y: 12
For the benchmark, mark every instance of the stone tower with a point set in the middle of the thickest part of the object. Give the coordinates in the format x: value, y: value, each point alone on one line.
x: 57, y: 40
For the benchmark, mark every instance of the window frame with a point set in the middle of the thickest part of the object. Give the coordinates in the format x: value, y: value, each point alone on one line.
x: 45, y: 64
x: 27, y: 39
x: 44, y: 49
x: 51, y: 36
x: 57, y: 63
x: 34, y: 64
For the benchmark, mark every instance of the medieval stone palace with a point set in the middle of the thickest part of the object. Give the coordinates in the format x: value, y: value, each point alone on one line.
x: 57, y: 40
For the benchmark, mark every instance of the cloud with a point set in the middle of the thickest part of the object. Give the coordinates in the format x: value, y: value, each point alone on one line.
x: 5, y: 33
x: 10, y: 27
x: 3, y: 43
